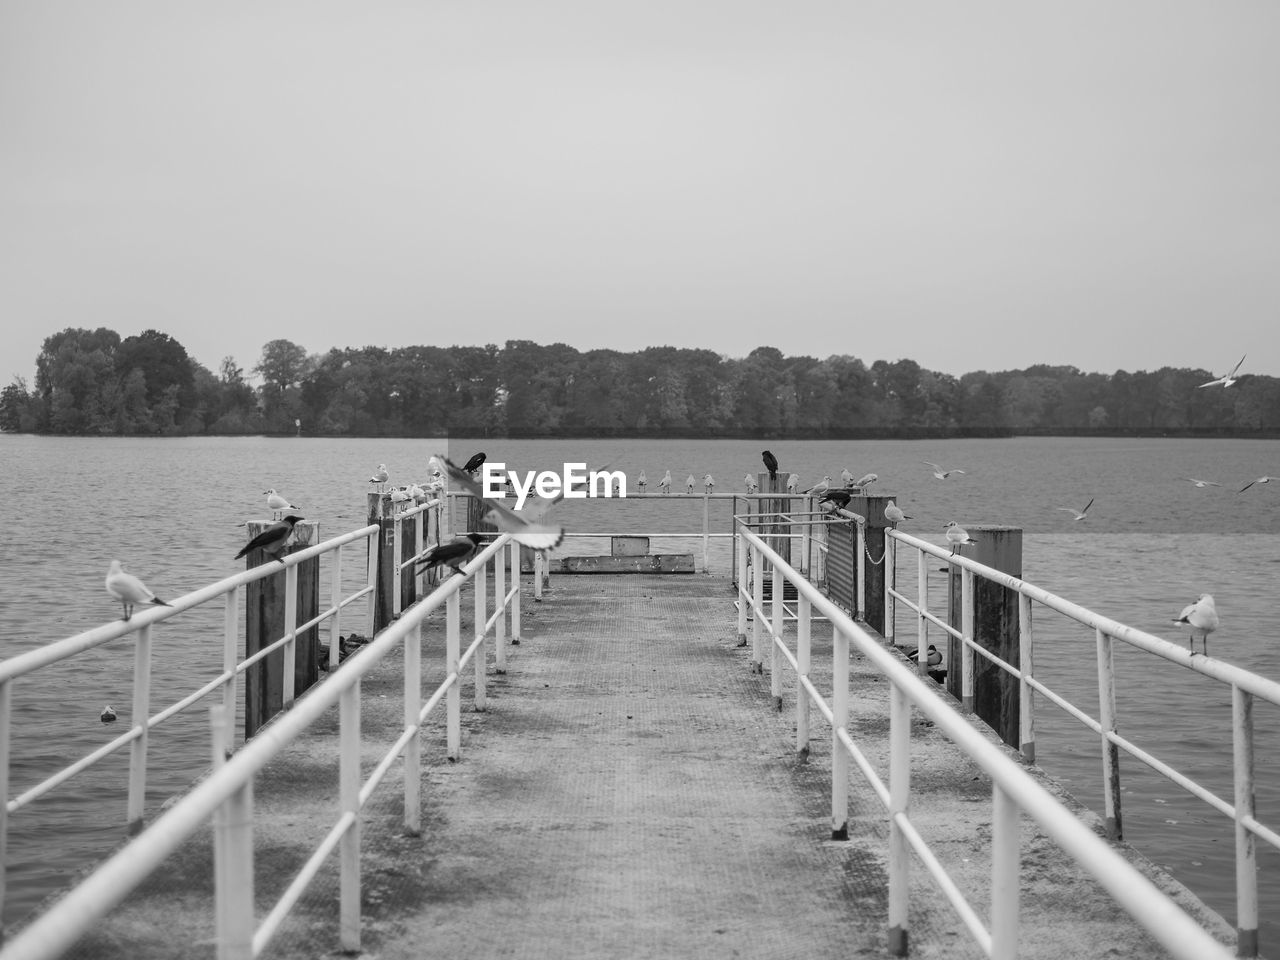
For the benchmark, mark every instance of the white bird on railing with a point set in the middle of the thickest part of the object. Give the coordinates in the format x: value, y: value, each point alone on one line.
x: 418, y: 493
x: 689, y: 483
x: 893, y: 513
x: 1202, y: 618
x: 642, y: 481
x: 399, y: 497
x: 128, y: 589
x: 1227, y: 379
x: 1078, y: 514
x: 957, y: 536
x: 750, y: 481
x: 277, y: 504
x: 709, y: 483
x: 821, y: 487
x: 938, y: 471
x: 665, y: 483
x: 793, y: 483
x: 846, y: 477
x: 866, y: 478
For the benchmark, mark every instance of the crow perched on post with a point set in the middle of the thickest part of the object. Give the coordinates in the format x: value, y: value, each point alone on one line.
x: 770, y: 464
x: 272, y: 540
x: 452, y: 554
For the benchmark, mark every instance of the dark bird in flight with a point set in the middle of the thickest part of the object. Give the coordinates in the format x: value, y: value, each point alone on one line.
x: 475, y: 463
x: 770, y: 463
x: 453, y: 554
x: 271, y: 541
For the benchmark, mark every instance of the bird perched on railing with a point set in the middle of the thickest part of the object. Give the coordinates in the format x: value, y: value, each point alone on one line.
x: 474, y: 464
x: 272, y: 540
x: 277, y: 504
x: 709, y: 483
x: 453, y: 554
x: 400, y: 498
x: 539, y: 536
x: 380, y: 476
x: 846, y: 477
x: 770, y: 464
x: 819, y: 488
x: 665, y: 483
x: 642, y: 481
x: 128, y: 589
x: 750, y: 481
x: 419, y: 494
x: 793, y: 483
x: 689, y: 483
x: 893, y: 513
x: 1202, y: 618
x: 866, y: 478
x: 957, y: 536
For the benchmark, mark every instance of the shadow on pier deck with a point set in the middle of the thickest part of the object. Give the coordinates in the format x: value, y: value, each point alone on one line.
x: 631, y: 791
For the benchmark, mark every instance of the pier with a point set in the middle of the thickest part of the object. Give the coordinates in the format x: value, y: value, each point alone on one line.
x: 614, y: 766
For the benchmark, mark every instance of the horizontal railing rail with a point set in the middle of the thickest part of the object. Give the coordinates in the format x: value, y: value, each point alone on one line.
x: 1245, y: 687
x: 1014, y: 791
x: 225, y: 796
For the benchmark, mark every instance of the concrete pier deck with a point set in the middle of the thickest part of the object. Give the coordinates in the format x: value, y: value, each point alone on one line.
x: 631, y: 791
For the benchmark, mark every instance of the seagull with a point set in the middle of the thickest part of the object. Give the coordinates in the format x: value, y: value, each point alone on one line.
x: 708, y: 483
x: 665, y: 483
x: 380, y: 476
x: 128, y: 589
x: 277, y: 504
x: 532, y: 534
x: 689, y: 483
x: 452, y: 554
x: 846, y: 477
x: 750, y: 481
x: 793, y: 483
x: 108, y: 715
x: 821, y: 487
x: 399, y: 497
x: 418, y: 493
x: 938, y: 471
x: 770, y: 463
x: 894, y: 514
x: 1201, y: 483
x: 866, y: 478
x: 1259, y: 480
x: 1202, y: 618
x: 642, y: 481
x: 272, y: 540
x: 1226, y: 379
x: 474, y: 464
x: 932, y: 655
x: 1079, y: 514
x: 839, y: 499
x: 957, y: 535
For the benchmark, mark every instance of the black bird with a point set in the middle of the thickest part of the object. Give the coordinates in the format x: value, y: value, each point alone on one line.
x: 475, y: 463
x: 272, y: 540
x: 770, y: 463
x: 838, y: 497
x: 452, y: 554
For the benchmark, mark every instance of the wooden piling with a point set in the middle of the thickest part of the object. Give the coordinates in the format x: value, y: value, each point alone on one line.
x: 409, y: 544
x: 380, y: 513
x: 875, y: 568
x: 995, y: 628
x: 265, y: 624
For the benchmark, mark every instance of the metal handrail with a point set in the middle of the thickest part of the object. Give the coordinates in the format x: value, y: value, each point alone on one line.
x: 1014, y: 790
x: 226, y: 794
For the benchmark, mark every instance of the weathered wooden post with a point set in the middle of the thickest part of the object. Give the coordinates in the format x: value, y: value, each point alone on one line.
x: 409, y: 539
x: 995, y: 628
x: 380, y: 513
x: 876, y: 569
x: 774, y: 531
x: 264, y: 688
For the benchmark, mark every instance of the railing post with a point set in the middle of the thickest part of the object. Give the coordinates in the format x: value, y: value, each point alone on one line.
x: 806, y: 543
x: 413, y: 749
x: 803, y: 653
x: 1005, y: 863
x: 537, y: 576
x: 499, y: 625
x: 966, y: 645
x: 1026, y: 695
x: 839, y: 720
x: 480, y: 589
x: 385, y: 585
x: 860, y: 548
x: 706, y: 534
x: 349, y: 790
x: 453, y: 696
x: 139, y: 721
x: 757, y: 595
x: 230, y: 647
x: 890, y: 632
x: 899, y: 801
x: 1246, y: 854
x: 419, y: 535
x: 371, y: 567
x: 335, y: 603
x: 514, y: 554
x: 741, y: 548
x: 397, y: 558
x: 875, y: 577
x: 1110, y: 750
x: 232, y: 850
x: 290, y: 648
x: 922, y: 622
x: 775, y: 651
x: 6, y: 753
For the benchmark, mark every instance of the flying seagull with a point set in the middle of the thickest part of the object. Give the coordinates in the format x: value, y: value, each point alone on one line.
x: 770, y: 463
x: 1201, y: 483
x: 453, y: 554
x: 529, y: 532
x: 277, y: 504
x: 128, y: 589
x: 938, y: 471
x: 957, y: 535
x: 474, y: 464
x: 1078, y: 514
x: 272, y: 540
x: 1226, y: 379
x: 893, y: 513
x: 1202, y: 618
x: 1259, y: 480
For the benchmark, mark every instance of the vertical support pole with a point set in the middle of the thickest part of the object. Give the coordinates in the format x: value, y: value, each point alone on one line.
x: 349, y: 790
x: 499, y: 606
x: 372, y: 567
x: 922, y: 622
x: 757, y: 613
x: 6, y: 704
x: 775, y: 651
x: 419, y: 535
x: 839, y: 720
x: 413, y: 749
x: 966, y: 648
x: 453, y: 696
x: 775, y: 529
x: 139, y: 720
x: 899, y: 801
x: 860, y: 548
x: 1026, y: 695
x: 803, y: 655
x: 1005, y: 862
x: 1246, y: 854
x: 230, y: 647
x: 537, y: 577
x: 514, y: 553
x: 740, y: 545
x: 382, y: 604
x: 335, y: 604
x: 706, y: 533
x: 890, y: 632
x: 480, y: 589
x: 291, y: 633
x: 397, y: 559
x: 232, y: 850
x: 1110, y: 751
x: 806, y: 543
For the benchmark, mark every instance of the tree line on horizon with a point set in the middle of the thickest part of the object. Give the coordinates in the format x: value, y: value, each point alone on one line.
x: 94, y: 383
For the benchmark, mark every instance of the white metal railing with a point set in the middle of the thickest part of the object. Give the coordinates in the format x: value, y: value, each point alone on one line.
x: 141, y: 625
x: 1014, y: 791
x: 226, y: 795
x: 1245, y: 687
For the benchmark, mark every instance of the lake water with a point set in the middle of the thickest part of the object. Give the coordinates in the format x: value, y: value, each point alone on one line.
x: 173, y: 510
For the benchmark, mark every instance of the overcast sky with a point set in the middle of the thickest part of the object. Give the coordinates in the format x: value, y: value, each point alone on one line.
x: 972, y: 185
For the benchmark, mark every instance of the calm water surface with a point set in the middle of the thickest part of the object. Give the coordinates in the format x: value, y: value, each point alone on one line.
x: 173, y: 510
